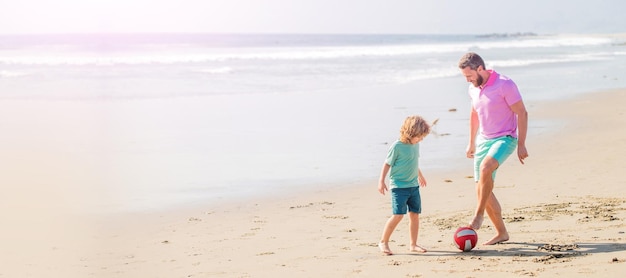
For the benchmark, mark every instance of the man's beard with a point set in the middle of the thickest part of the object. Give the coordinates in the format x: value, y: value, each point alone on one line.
x: 479, y: 81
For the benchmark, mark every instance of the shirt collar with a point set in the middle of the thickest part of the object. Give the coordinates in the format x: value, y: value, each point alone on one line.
x: 493, y: 75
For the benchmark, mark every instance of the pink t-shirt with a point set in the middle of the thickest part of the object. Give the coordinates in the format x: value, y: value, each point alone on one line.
x: 492, y: 103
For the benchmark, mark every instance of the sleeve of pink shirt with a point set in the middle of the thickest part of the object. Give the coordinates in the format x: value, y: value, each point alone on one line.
x: 511, y: 93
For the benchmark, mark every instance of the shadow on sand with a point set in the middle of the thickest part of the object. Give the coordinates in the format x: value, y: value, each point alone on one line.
x: 540, y: 252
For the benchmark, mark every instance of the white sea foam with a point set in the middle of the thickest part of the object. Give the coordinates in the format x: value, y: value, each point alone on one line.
x: 265, y: 67
x: 204, y: 55
x: 552, y: 60
x: 11, y: 74
x: 425, y: 74
x: 221, y: 70
x: 549, y: 42
x: 212, y: 55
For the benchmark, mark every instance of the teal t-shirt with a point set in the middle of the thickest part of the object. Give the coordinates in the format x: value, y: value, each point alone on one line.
x: 403, y: 159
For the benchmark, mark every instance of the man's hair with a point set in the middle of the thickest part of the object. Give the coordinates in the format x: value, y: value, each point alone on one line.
x: 471, y: 60
x: 413, y: 126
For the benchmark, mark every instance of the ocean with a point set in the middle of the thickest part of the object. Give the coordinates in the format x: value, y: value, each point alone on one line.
x: 152, y: 121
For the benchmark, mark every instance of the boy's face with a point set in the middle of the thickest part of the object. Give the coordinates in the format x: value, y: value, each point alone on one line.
x: 416, y: 139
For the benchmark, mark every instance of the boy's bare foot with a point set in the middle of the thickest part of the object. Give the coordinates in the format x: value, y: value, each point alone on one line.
x: 497, y: 239
x: 476, y: 222
x: 418, y: 249
x: 384, y: 248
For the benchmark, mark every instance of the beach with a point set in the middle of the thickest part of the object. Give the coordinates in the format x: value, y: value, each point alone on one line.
x: 565, y: 211
x: 217, y: 155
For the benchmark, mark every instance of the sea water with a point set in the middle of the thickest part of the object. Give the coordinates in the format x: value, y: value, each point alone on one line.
x: 183, y: 118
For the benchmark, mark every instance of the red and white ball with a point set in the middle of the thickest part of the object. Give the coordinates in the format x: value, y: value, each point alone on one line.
x: 465, y: 238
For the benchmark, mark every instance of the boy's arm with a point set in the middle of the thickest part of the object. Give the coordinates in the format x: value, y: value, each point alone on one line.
x: 420, y: 178
x: 382, y: 187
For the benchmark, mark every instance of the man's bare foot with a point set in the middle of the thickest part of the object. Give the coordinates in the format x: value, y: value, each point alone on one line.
x: 497, y: 239
x: 384, y: 248
x: 476, y: 222
x: 418, y: 249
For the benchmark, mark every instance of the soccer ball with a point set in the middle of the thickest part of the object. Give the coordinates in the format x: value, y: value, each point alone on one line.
x: 465, y: 238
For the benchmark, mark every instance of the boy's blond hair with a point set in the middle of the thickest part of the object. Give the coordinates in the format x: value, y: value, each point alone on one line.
x: 414, y: 126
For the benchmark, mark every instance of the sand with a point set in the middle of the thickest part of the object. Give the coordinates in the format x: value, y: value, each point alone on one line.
x: 565, y: 211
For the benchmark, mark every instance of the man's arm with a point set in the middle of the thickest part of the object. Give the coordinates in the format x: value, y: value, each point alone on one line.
x: 522, y: 129
x: 473, y: 124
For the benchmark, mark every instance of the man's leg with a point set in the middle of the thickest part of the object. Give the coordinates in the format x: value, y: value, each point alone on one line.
x: 484, y: 190
x: 495, y: 215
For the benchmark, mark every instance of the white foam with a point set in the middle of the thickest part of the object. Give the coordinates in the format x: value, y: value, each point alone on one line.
x: 546, y: 42
x: 220, y: 70
x: 10, y: 74
x: 175, y: 55
x: 553, y: 60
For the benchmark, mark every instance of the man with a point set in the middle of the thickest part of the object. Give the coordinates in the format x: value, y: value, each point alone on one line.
x: 498, y: 109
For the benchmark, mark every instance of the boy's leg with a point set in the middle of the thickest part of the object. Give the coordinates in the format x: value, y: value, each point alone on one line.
x: 414, y: 222
x: 390, y: 226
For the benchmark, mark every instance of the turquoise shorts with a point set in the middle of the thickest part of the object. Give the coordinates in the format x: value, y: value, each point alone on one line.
x: 499, y: 148
x: 403, y: 198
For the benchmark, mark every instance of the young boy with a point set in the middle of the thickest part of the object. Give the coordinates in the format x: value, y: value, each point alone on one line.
x: 405, y: 179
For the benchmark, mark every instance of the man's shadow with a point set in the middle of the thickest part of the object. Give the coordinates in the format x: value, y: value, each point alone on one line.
x: 537, y: 251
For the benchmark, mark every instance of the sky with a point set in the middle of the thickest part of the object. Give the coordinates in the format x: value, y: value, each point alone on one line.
x: 313, y: 16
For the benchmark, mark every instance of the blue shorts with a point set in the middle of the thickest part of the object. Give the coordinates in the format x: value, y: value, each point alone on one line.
x: 403, y: 198
x: 499, y: 148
